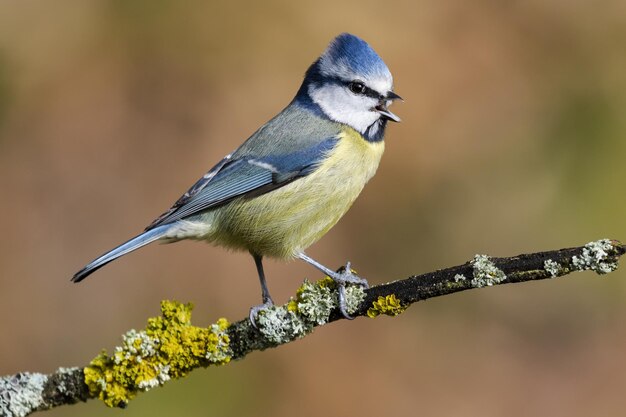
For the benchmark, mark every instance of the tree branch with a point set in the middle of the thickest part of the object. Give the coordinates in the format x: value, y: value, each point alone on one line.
x: 170, y: 346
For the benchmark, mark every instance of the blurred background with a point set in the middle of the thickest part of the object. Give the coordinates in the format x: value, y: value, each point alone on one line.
x: 513, y: 140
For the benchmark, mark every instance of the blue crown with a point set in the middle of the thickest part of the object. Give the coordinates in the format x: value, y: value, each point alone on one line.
x: 349, y: 53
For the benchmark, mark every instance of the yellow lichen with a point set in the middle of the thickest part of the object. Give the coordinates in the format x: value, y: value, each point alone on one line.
x: 292, y: 306
x: 388, y: 305
x: 327, y: 282
x: 168, y: 348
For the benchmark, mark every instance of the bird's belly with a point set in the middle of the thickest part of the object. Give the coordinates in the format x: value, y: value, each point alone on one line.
x: 286, y: 221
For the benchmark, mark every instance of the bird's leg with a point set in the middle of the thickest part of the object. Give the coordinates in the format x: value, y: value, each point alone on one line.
x: 265, y: 293
x: 341, y: 278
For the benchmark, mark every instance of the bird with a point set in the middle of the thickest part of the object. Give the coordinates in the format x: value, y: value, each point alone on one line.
x: 292, y: 180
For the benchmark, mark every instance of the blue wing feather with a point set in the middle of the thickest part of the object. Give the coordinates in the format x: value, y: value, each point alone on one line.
x: 235, y: 182
x: 245, y: 176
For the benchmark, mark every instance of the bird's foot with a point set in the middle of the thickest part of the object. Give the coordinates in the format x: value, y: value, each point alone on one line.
x: 342, y: 277
x: 254, y: 311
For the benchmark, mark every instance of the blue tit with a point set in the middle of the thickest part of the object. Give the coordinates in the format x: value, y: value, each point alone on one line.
x: 295, y: 177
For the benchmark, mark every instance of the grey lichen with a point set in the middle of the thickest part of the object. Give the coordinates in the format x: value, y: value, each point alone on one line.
x: 355, y: 294
x: 459, y: 278
x: 552, y: 267
x: 280, y: 325
x: 594, y: 257
x: 485, y: 273
x: 315, y: 302
x: 21, y: 394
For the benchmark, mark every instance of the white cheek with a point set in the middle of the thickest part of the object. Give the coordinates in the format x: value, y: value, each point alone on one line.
x: 344, y: 107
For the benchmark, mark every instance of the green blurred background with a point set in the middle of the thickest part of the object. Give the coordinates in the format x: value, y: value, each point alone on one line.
x: 513, y: 140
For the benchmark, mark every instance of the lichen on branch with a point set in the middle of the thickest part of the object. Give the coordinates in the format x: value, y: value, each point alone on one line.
x: 169, y: 348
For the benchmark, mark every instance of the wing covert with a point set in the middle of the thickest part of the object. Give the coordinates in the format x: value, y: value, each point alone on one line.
x: 248, y: 175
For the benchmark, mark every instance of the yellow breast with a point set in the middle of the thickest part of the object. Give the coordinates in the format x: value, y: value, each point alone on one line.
x: 286, y: 221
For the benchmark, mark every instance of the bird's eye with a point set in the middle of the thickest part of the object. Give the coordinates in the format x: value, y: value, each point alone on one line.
x: 357, y: 87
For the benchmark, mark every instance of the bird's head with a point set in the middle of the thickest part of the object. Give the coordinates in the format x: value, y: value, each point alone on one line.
x: 352, y: 85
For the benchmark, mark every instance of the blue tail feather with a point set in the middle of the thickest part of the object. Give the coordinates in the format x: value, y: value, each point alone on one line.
x: 133, y: 244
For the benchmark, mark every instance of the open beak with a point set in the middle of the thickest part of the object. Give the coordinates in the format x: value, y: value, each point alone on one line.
x: 386, y: 114
x: 384, y: 111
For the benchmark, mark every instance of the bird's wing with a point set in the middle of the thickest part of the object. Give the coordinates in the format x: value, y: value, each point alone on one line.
x: 194, y: 190
x: 245, y: 176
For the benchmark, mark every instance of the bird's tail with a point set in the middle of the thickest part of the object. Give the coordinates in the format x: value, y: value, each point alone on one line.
x: 133, y: 244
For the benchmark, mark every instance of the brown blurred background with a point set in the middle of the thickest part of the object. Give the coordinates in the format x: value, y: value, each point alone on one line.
x: 513, y: 140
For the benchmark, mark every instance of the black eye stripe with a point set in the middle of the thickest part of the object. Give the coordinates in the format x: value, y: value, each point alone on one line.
x: 368, y: 92
x: 372, y: 93
x: 357, y: 87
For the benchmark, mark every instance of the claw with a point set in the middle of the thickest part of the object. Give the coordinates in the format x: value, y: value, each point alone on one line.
x: 346, y: 276
x: 342, y: 302
x: 254, y: 311
x: 342, y: 277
